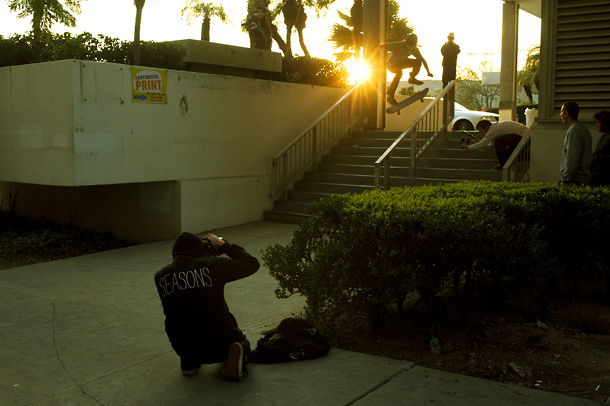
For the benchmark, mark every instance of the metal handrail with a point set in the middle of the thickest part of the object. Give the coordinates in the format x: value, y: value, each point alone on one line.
x: 304, y: 151
x: 517, y: 168
x: 432, y: 118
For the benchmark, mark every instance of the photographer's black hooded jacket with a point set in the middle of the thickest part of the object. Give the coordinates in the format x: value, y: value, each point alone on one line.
x: 197, y: 318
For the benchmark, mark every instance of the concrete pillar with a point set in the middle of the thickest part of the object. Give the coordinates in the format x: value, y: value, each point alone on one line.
x: 508, y: 73
x: 373, y: 91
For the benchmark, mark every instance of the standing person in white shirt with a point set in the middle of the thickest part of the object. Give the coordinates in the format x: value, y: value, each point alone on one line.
x: 504, y: 136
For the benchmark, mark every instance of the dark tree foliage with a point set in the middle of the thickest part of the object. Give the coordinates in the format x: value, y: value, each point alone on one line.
x: 25, y: 49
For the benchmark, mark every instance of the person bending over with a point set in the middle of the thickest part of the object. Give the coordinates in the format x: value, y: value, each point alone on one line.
x: 198, y: 323
x: 505, y: 137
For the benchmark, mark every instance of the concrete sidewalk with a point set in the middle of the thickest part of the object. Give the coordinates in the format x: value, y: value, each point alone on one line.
x: 89, y: 331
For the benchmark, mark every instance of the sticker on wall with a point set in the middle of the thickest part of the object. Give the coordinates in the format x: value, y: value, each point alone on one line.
x: 148, y: 86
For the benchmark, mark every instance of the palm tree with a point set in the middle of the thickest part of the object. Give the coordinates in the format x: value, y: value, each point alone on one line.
x: 260, y: 27
x: 197, y: 8
x: 348, y: 37
x: 136, y: 35
x: 398, y: 28
x: 529, y: 76
x: 294, y: 17
x: 258, y: 24
x: 45, y: 12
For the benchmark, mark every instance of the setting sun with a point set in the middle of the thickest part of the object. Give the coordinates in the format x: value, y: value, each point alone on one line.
x: 358, y: 72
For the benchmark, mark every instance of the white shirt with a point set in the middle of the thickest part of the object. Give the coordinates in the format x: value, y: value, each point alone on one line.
x: 499, y: 129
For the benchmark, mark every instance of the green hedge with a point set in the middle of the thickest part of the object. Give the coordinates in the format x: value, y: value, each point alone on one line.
x: 25, y: 49
x: 357, y: 257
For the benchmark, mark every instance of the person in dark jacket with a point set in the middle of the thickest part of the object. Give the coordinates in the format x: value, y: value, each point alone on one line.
x: 600, y: 165
x: 198, y: 323
x: 450, y: 51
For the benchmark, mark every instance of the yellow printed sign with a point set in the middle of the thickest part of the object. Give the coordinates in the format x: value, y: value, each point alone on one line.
x: 148, y: 85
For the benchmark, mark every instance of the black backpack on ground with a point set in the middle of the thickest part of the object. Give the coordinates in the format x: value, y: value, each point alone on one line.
x: 292, y: 340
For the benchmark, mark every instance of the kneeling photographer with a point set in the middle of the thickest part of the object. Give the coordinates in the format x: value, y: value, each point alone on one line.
x: 505, y: 136
x: 198, y: 323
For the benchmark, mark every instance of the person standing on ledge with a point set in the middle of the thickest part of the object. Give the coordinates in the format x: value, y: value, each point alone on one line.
x: 399, y: 60
x: 450, y: 51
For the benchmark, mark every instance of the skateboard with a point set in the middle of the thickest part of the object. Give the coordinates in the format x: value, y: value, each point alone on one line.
x: 417, y: 96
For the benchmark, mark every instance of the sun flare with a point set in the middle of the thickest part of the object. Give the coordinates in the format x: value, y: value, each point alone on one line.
x: 358, y: 71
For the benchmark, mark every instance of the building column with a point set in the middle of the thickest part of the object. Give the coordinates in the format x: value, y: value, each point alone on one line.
x: 508, y: 72
x: 373, y: 90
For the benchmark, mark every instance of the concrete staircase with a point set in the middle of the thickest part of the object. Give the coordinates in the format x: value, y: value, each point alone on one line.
x: 349, y: 168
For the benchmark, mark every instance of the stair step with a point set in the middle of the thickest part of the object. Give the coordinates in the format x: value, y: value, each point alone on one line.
x: 426, y: 172
x: 350, y: 168
x: 284, y: 216
x: 406, y: 152
x: 455, y: 163
x: 331, y: 188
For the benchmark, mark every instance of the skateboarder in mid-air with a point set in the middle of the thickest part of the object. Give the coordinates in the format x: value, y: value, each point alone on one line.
x: 399, y: 60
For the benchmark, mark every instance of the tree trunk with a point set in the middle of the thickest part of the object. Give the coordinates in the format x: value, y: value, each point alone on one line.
x: 258, y: 24
x: 300, y: 24
x: 37, y: 23
x: 136, y: 34
x: 205, y: 29
x: 278, y: 38
x: 288, y: 52
x: 302, y: 42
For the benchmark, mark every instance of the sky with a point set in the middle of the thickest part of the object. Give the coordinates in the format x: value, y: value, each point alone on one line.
x: 480, y: 41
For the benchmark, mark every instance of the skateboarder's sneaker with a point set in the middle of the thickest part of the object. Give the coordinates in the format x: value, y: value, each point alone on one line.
x: 391, y: 100
x: 234, y: 370
x: 414, y: 81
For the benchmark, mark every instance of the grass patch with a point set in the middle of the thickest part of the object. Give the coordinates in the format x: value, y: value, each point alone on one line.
x: 24, y: 242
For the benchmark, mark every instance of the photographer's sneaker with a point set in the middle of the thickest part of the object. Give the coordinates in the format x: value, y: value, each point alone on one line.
x: 190, y: 372
x: 234, y: 370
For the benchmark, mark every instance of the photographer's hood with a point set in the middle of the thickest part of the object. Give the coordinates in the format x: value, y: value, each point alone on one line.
x: 189, y: 244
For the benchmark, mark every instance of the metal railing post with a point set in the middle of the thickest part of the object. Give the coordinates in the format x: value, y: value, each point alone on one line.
x: 413, y: 151
x: 376, y: 177
x: 386, y: 173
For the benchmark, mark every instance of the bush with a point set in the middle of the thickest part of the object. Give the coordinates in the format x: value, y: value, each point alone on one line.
x: 313, y: 71
x: 24, y: 241
x: 357, y: 257
x: 25, y: 49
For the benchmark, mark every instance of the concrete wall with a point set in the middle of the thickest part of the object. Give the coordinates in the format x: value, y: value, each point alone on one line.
x: 201, y: 161
x: 408, y: 114
x: 36, y: 123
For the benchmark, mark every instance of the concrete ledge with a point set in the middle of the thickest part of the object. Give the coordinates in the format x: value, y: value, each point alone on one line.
x: 229, y: 56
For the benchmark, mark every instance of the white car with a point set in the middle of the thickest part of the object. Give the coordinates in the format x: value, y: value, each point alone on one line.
x: 465, y: 119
